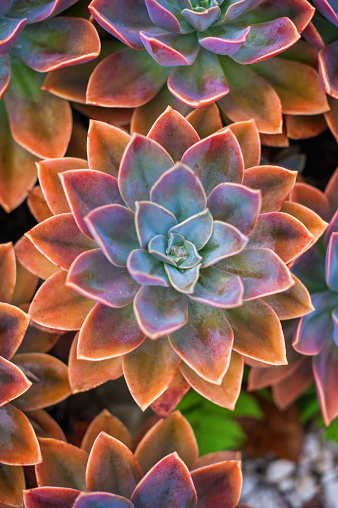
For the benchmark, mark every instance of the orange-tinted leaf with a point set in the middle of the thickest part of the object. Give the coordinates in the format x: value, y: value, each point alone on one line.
x: 248, y: 138
x: 258, y: 332
x: 60, y: 240
x: 311, y: 220
x: 112, y: 467
x: 38, y: 205
x: 225, y: 394
x: 7, y: 272
x: 292, y: 303
x: 173, y: 434
x: 63, y: 465
x: 149, y: 370
x: 50, y: 380
x: 37, y: 340
x: 48, y: 171
x: 106, y: 422
x: 33, y: 260
x: 13, y: 381
x: 18, y: 443
x: 12, y: 483
x: 57, y: 306
x: 25, y: 287
x: 13, y: 326
x: 206, y: 120
x: 85, y: 375
x: 275, y: 183
x: 106, y: 145
x: 44, y: 425
x: 218, y: 484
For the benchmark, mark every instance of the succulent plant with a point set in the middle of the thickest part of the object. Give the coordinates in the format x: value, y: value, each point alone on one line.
x: 193, y: 44
x: 30, y: 379
x: 314, y: 354
x: 176, y: 257
x: 163, y: 471
x: 33, y: 41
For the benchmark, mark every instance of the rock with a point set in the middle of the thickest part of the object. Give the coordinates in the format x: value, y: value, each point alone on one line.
x: 331, y: 493
x: 266, y: 498
x: 286, y: 485
x: 279, y: 469
x: 305, y: 485
x: 249, y: 485
x: 312, y: 449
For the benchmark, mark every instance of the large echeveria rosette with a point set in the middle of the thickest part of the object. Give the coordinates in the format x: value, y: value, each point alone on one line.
x: 190, y: 255
x: 34, y: 123
x: 107, y: 471
x: 314, y: 337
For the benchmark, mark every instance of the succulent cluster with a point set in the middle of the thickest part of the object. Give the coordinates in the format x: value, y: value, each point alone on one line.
x: 167, y: 250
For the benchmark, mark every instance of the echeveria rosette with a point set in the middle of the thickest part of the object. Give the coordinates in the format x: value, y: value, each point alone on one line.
x: 190, y: 255
x: 188, y: 43
x: 163, y: 471
x: 29, y: 379
x: 32, y: 42
x: 314, y: 354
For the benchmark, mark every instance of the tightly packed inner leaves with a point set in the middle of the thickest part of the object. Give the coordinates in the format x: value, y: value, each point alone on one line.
x: 173, y: 246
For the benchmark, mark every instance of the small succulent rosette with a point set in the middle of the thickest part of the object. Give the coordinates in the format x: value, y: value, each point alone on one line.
x: 171, y: 253
x: 163, y: 471
x: 34, y: 123
x: 30, y: 379
x: 314, y: 337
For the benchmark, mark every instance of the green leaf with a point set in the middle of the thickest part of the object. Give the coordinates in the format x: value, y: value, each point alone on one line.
x: 216, y: 428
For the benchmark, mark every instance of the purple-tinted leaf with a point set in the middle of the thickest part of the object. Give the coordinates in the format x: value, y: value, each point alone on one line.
x: 170, y: 50
x: 86, y: 190
x: 261, y: 270
x: 314, y: 329
x: 224, y: 40
x: 266, y: 40
x: 325, y: 369
x: 183, y: 281
x: 156, y: 319
x: 93, y: 276
x: 143, y: 163
x: 236, y: 205
x: 123, y: 20
x: 180, y: 191
x: 51, y: 45
x: 151, y: 220
x: 328, y: 69
x: 225, y: 241
x: 331, y: 269
x: 168, y: 485
x: 205, y: 342
x: 102, y: 500
x: 197, y: 229
x: 201, y: 20
x: 162, y: 15
x: 216, y: 159
x: 113, y: 228
x: 201, y: 83
x: 5, y: 74
x: 10, y: 30
x: 146, y: 269
x: 35, y: 10
x: 218, y: 288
